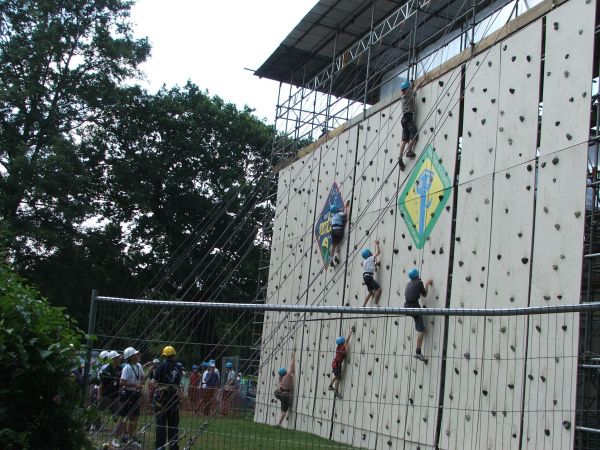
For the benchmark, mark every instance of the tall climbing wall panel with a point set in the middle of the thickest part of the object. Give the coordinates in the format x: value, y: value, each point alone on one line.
x: 355, y: 416
x: 471, y: 257
x: 511, y: 236
x: 557, y: 252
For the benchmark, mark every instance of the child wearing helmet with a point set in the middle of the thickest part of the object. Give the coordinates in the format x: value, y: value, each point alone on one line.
x: 336, y: 366
x: 285, y: 388
x: 409, y: 129
x: 338, y: 222
x: 373, y: 288
x: 413, y: 292
x: 132, y: 380
x: 229, y: 389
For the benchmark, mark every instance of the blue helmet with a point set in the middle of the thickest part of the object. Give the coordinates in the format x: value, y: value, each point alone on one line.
x: 204, y: 365
x: 333, y: 209
x: 341, y: 340
x: 211, y: 361
x: 413, y: 274
x: 405, y: 85
x: 366, y: 253
x: 194, y: 366
x: 229, y: 366
x: 282, y: 371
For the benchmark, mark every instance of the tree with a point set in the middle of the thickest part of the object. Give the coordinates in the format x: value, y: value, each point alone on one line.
x: 62, y: 63
x: 39, y: 345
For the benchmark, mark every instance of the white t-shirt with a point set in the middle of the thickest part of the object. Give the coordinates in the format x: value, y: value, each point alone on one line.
x: 132, y: 374
x: 204, y: 379
x: 369, y: 265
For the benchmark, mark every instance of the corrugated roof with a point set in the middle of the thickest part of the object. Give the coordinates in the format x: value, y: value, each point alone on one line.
x: 309, y: 47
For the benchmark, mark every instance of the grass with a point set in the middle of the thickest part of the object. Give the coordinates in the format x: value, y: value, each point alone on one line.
x: 239, y: 433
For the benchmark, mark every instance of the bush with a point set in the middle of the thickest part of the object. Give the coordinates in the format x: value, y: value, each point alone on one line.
x: 39, y: 345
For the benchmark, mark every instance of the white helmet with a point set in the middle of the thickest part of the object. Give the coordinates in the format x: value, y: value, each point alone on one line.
x: 103, y: 354
x: 114, y: 354
x: 212, y: 364
x: 129, y: 352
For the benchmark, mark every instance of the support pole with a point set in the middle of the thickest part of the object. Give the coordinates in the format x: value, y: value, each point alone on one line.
x: 90, y: 344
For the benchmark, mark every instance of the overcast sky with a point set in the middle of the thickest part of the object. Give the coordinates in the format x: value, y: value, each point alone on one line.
x: 211, y: 42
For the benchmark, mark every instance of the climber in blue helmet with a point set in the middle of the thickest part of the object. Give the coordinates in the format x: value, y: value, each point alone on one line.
x: 370, y: 260
x: 338, y: 221
x: 336, y: 366
x: 413, y: 292
x: 409, y: 128
x: 285, y: 388
x: 228, y: 393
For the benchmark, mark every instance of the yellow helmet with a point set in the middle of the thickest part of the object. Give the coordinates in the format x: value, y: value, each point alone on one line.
x: 169, y: 351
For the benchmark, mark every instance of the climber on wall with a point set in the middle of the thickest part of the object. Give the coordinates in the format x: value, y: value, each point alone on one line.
x: 285, y: 388
x: 336, y: 366
x: 413, y: 292
x: 369, y: 262
x: 409, y: 128
x: 338, y: 222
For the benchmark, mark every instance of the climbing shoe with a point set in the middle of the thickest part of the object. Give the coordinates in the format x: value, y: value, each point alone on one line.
x: 336, y: 259
x: 420, y: 357
x: 331, y: 388
x: 410, y: 154
x: 401, y: 164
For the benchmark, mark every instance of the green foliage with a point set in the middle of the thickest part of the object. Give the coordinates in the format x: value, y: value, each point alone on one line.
x: 39, y: 345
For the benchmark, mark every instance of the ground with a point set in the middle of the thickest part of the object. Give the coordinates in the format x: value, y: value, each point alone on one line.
x: 241, y: 432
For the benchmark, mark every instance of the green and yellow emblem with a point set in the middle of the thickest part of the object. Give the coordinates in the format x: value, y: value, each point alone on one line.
x: 424, y: 197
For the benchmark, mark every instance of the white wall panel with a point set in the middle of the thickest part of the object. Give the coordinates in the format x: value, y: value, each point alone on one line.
x: 482, y: 84
x: 567, y: 75
x: 518, y: 97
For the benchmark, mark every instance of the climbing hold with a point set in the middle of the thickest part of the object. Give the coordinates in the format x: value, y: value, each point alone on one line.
x: 468, y: 189
x: 557, y: 123
x: 577, y: 214
x: 547, y: 432
x: 569, y: 137
x: 513, y: 58
x: 566, y: 424
x: 467, y: 356
x: 468, y: 278
x: 507, y: 175
x: 556, y: 25
x: 566, y: 73
x: 555, y: 160
x: 482, y: 121
x: 557, y: 226
x: 524, y: 260
x: 474, y: 109
x: 489, y: 64
x: 528, y: 58
x: 522, y: 119
x: 571, y: 99
x: 493, y: 100
x: 484, y: 392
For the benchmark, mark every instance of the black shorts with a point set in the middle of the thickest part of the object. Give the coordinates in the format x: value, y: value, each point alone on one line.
x: 418, y: 318
x: 110, y: 403
x: 337, y: 372
x: 286, y: 400
x: 337, y: 234
x: 131, y: 402
x: 370, y: 282
x: 409, y: 129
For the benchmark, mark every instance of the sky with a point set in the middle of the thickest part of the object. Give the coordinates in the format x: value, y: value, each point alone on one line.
x: 211, y: 43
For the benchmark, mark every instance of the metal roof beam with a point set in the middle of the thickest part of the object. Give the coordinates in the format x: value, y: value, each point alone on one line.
x: 391, y: 23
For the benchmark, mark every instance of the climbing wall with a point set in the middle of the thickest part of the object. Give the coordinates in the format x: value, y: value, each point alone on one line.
x: 560, y: 211
x: 511, y: 236
x: 355, y: 416
x: 472, y: 243
x: 518, y: 231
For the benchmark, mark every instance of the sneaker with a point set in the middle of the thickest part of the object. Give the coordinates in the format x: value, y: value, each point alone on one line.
x: 410, y: 154
x: 336, y: 259
x: 401, y: 164
x: 331, y: 388
x: 115, y: 443
x: 331, y: 263
x: 338, y: 395
x: 420, y: 357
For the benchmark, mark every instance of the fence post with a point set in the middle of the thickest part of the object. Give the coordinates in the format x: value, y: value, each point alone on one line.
x: 90, y: 343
